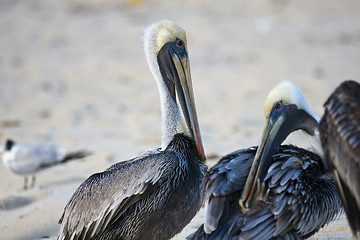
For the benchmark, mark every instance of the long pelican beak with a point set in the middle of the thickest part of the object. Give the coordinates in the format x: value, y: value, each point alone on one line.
x: 176, y: 69
x: 187, y: 101
x: 283, y: 120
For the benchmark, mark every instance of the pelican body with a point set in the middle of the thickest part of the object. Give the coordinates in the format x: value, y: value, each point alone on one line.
x: 336, y: 139
x: 272, y: 191
x: 27, y: 159
x: 340, y: 138
x: 296, y: 199
x: 156, y: 194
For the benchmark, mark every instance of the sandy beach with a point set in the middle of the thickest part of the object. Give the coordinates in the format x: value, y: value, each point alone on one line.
x: 74, y: 72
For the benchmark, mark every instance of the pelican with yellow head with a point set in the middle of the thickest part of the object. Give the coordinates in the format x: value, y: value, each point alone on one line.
x: 335, y: 138
x: 271, y: 191
x: 155, y: 195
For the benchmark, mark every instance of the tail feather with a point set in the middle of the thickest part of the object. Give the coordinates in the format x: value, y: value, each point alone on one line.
x: 198, y: 235
x: 76, y: 155
x: 351, y: 207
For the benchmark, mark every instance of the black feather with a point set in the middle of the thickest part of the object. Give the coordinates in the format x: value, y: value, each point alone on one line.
x: 297, y: 179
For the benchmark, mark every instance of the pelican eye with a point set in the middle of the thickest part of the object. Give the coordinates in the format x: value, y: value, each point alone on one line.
x: 277, y: 106
x: 180, y: 43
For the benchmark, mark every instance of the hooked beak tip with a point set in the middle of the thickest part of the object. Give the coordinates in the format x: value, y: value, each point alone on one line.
x: 244, y: 209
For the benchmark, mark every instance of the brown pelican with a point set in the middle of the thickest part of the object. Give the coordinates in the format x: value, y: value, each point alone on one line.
x: 294, y: 199
x: 339, y: 132
x: 26, y: 159
x: 340, y: 138
x: 155, y: 195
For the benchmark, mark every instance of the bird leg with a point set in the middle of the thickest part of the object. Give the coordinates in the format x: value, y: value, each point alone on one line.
x: 33, y: 181
x: 25, y: 182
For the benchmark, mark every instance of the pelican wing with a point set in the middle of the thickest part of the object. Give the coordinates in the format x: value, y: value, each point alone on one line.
x: 297, y: 198
x: 225, y: 178
x: 104, y: 197
x: 340, y: 137
x: 303, y: 194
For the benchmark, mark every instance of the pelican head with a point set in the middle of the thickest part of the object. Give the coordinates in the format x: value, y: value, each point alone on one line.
x: 166, y: 53
x: 286, y: 111
x: 287, y: 93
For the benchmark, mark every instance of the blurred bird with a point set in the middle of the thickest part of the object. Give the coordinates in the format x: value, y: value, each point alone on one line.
x: 336, y: 139
x: 340, y: 138
x: 155, y: 195
x: 28, y: 159
x: 271, y: 191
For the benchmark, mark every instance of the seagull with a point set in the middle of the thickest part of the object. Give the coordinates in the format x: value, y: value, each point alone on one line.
x: 26, y: 159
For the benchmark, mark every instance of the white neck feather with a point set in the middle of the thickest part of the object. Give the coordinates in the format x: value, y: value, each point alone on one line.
x: 170, y: 115
x: 315, y: 143
x: 314, y: 140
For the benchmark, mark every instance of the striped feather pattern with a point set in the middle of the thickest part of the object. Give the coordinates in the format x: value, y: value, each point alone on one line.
x: 340, y: 138
x: 297, y: 198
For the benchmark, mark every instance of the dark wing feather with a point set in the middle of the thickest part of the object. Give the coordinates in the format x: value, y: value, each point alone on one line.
x: 297, y: 198
x: 340, y: 138
x: 228, y: 176
x: 302, y: 194
x: 114, y: 190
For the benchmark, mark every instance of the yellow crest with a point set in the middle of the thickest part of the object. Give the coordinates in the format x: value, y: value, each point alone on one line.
x: 168, y: 31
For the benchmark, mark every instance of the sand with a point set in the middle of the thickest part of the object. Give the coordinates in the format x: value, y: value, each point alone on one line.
x: 74, y: 72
